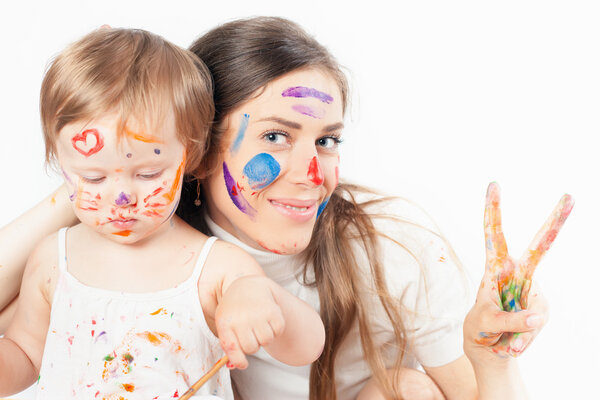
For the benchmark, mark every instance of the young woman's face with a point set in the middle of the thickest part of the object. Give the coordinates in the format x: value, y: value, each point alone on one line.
x: 279, y: 162
x: 124, y: 189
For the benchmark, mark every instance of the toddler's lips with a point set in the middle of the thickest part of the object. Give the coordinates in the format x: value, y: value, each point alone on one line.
x: 123, y: 223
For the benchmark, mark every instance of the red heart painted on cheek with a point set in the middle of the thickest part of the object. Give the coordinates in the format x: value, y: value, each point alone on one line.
x: 80, y: 143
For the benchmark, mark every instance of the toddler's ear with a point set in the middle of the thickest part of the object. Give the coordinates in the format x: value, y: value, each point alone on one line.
x: 105, y: 26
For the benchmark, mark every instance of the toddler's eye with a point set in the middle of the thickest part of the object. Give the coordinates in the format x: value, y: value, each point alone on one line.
x: 151, y: 175
x: 93, y: 179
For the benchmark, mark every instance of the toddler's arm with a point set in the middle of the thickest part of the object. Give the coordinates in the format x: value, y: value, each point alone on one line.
x: 254, y: 311
x: 19, y: 238
x: 21, y: 348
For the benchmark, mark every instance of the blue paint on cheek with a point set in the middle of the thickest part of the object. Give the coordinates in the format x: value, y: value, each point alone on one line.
x: 322, y: 206
x: 262, y: 170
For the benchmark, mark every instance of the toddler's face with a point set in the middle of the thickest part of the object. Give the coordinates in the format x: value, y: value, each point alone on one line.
x: 124, y: 189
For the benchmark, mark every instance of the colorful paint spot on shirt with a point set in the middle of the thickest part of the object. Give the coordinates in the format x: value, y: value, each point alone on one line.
x: 261, y: 170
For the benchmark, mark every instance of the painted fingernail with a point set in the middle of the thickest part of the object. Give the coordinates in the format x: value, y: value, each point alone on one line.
x: 518, y: 345
x: 534, y: 321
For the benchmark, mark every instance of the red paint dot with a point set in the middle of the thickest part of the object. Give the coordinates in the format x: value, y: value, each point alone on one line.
x: 315, y: 174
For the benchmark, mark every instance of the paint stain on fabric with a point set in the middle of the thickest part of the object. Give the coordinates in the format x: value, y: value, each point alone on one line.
x: 80, y: 142
x: 261, y: 171
x: 237, y: 198
x: 128, y: 387
x: 302, y: 91
x: 315, y: 174
x: 309, y: 111
x: 239, y: 137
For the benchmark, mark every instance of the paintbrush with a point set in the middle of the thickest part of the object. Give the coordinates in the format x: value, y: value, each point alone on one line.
x: 192, y: 390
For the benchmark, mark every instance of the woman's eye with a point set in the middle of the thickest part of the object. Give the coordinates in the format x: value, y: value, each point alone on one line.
x: 93, y: 179
x: 276, y: 137
x: 152, y: 175
x: 329, y: 142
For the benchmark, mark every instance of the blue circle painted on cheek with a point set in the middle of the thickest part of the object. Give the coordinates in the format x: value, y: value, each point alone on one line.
x: 262, y: 170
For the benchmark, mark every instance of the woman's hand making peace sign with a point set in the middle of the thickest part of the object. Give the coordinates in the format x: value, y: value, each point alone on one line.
x: 506, y: 287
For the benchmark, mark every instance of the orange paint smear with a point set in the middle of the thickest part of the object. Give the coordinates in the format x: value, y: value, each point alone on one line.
x: 156, y: 191
x: 142, y: 137
x: 126, y: 232
x: 151, y: 213
x: 157, y: 311
x: 128, y: 387
x: 170, y: 195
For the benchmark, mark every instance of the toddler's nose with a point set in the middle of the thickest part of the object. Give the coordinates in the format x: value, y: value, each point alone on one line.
x: 124, y: 199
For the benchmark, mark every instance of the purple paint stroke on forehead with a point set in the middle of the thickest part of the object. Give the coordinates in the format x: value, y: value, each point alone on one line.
x: 301, y: 91
x: 311, y: 112
x: 236, y: 196
x: 122, y: 199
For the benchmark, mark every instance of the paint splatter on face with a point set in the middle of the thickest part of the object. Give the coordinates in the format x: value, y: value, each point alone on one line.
x: 239, y: 137
x: 108, y: 189
x: 88, y: 142
x: 123, y: 199
x: 235, y: 194
x: 308, y: 110
x: 322, y: 206
x: 301, y: 92
x: 315, y: 174
x: 261, y: 171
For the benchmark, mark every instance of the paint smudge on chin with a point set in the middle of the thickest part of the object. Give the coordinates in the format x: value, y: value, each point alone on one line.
x: 261, y: 244
x: 310, y: 111
x: 236, y: 197
x: 126, y: 232
x: 80, y: 142
x: 301, y: 91
x: 240, y: 133
x: 261, y: 170
x: 322, y: 206
x: 315, y: 174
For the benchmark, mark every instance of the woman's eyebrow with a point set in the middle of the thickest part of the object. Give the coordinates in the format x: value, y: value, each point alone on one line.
x: 295, y: 125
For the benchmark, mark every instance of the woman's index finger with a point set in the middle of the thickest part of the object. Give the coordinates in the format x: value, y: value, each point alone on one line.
x: 495, y: 243
x: 546, y: 235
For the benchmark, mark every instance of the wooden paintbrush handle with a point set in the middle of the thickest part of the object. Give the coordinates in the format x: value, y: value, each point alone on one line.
x: 191, y: 391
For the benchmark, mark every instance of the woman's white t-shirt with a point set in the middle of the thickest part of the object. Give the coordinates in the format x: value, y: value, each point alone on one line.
x: 433, y: 293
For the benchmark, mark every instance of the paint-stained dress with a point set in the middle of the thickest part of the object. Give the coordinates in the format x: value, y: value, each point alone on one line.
x: 105, y: 344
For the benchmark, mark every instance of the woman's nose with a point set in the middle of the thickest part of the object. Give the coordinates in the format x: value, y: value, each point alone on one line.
x: 315, y: 173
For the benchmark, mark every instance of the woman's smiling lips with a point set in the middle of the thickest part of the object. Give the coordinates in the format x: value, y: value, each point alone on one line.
x: 298, y: 210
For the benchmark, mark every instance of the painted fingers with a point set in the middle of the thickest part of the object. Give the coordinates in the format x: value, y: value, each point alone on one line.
x: 546, y: 235
x: 495, y: 243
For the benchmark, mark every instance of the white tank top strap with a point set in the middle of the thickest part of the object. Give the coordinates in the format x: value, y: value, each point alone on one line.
x: 62, y: 249
x: 202, y: 258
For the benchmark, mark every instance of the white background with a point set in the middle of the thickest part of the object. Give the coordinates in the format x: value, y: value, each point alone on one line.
x: 447, y: 96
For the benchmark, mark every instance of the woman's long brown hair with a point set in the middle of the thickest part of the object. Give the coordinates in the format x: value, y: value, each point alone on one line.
x: 243, y: 56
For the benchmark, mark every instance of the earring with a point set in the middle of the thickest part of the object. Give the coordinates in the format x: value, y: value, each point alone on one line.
x: 198, y: 202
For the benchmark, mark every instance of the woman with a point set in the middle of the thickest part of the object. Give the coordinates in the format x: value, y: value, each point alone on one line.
x: 382, y: 277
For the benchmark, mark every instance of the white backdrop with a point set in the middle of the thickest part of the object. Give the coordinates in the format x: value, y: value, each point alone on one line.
x: 447, y: 96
